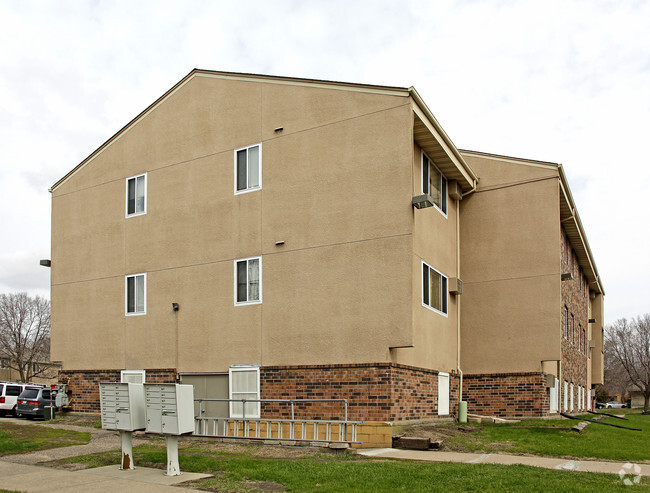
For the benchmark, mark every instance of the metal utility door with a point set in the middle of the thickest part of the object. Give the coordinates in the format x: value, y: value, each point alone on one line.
x: 443, y: 393
x: 209, y: 386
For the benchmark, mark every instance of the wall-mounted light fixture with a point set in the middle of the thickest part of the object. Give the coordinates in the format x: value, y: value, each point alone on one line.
x: 46, y: 262
x: 592, y: 320
x: 278, y: 130
x: 175, y: 306
x: 422, y: 201
x: 567, y: 276
x: 279, y: 243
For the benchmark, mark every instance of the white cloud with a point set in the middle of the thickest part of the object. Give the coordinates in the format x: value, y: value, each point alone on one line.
x: 560, y: 81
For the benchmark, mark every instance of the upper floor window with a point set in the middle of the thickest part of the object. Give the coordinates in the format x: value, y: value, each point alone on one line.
x: 434, y: 289
x: 136, y: 294
x: 136, y: 195
x: 434, y: 183
x: 565, y: 322
x: 573, y: 336
x: 248, y: 281
x: 248, y: 168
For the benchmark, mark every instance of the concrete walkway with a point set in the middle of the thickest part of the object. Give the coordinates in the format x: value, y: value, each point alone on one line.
x: 526, y: 460
x: 27, y: 472
x: 32, y: 479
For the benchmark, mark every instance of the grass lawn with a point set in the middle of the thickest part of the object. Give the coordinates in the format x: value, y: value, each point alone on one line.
x: 17, y: 439
x: 250, y: 468
x: 555, y: 438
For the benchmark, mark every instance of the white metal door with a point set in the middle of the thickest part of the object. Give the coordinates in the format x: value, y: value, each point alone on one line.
x: 443, y: 393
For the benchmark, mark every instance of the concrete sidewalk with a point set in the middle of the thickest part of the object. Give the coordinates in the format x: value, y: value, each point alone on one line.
x: 526, y: 460
x: 31, y: 478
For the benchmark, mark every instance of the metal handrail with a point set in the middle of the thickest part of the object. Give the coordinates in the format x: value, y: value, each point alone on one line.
x: 291, y: 401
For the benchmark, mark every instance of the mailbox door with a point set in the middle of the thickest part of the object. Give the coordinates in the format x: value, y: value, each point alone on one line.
x: 170, y: 423
x: 123, y: 420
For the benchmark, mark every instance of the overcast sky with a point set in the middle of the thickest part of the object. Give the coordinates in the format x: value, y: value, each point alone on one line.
x: 561, y: 81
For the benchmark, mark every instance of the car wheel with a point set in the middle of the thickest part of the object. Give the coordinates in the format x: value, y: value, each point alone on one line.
x: 15, y: 412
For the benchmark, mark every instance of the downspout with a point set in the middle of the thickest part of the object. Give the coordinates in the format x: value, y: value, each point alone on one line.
x: 460, y: 371
x: 458, y: 297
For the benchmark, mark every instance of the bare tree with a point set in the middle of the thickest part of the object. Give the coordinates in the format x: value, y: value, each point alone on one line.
x: 629, y: 343
x: 24, y: 332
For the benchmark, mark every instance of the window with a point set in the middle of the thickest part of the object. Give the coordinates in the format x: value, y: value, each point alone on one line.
x: 571, y: 398
x: 244, y: 383
x: 248, y: 168
x: 248, y: 281
x: 136, y: 294
x: 132, y: 376
x: 434, y: 289
x: 136, y: 195
x: 434, y: 184
x: 573, y: 336
x: 566, y: 396
x: 565, y: 321
x: 4, y: 363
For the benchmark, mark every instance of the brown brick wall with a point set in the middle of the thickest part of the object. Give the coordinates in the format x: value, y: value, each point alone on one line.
x: 575, y: 296
x: 83, y: 385
x: 506, y: 394
x: 375, y: 392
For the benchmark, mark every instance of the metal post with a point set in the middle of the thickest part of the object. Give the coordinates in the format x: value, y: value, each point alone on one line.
x: 173, y: 467
x: 127, y: 450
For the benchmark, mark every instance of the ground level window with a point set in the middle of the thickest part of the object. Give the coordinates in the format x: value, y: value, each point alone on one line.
x: 244, y: 385
x: 434, y: 289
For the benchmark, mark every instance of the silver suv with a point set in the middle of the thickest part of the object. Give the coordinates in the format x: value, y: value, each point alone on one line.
x: 9, y: 392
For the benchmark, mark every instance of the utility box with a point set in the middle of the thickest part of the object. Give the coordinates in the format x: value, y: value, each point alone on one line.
x: 169, y: 408
x: 122, y: 406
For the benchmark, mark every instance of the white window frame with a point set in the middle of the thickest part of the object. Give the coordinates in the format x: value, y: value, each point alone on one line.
x: 443, y: 393
x: 246, y: 368
x: 565, y: 396
x: 126, y: 295
x: 444, y: 290
x: 248, y: 187
x: 248, y: 302
x: 424, y: 183
x: 125, y: 374
x: 571, y: 399
x: 126, y: 208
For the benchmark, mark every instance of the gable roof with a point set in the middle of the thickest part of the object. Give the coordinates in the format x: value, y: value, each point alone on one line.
x: 449, y: 158
x: 569, y: 217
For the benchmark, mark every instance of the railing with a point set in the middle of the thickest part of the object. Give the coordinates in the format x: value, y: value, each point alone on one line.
x: 255, y: 427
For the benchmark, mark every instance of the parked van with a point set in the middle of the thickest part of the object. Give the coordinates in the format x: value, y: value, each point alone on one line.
x: 9, y: 392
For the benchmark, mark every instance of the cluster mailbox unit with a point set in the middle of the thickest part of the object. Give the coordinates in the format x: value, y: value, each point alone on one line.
x: 170, y: 412
x: 167, y: 409
x: 123, y: 409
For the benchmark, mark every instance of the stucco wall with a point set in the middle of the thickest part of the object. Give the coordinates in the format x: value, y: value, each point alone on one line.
x: 336, y: 189
x: 510, y: 267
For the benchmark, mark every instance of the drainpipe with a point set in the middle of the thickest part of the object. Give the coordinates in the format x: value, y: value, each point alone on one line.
x: 460, y: 371
x: 462, y: 405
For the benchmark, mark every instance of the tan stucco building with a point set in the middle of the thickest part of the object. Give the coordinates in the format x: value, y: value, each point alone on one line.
x: 274, y: 237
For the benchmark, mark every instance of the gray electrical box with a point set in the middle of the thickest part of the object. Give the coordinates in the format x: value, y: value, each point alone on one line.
x: 122, y: 406
x: 169, y: 408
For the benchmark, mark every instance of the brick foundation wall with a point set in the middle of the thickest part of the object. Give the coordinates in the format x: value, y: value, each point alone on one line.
x: 83, y: 385
x: 375, y: 392
x: 506, y: 394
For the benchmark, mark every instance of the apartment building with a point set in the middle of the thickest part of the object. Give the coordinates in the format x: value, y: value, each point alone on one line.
x: 532, y: 311
x: 269, y: 237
